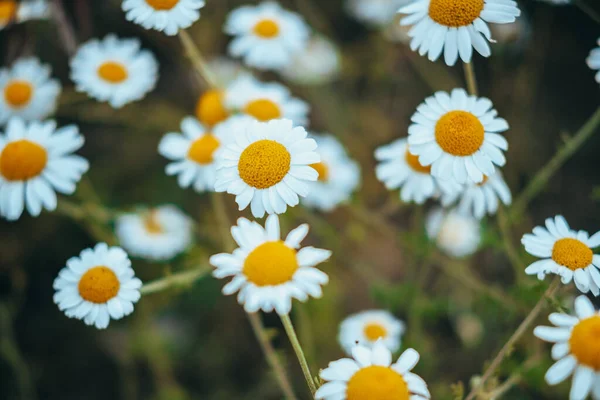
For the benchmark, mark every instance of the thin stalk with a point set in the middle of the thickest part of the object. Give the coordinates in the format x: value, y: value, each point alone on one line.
x: 175, y: 280
x: 470, y: 77
x: 197, y: 59
x: 509, y: 247
x: 593, y: 14
x: 291, y: 332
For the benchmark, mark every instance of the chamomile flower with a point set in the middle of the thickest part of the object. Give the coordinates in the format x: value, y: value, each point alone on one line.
x: 374, y: 12
x: 320, y: 62
x: 593, y: 61
x: 576, y: 349
x: 193, y: 151
x: 339, y: 176
x: 267, y: 166
x: 479, y: 199
x: 457, y: 135
x: 455, y: 27
x: 27, y: 91
x: 97, y: 286
x: 456, y: 234
x: 564, y: 252
x: 370, y: 374
x: 264, y: 101
x: 35, y: 161
x: 12, y: 11
x: 158, y: 233
x: 211, y: 108
x: 269, y: 272
x: 368, y: 327
x: 266, y: 36
x: 114, y: 70
x: 168, y: 16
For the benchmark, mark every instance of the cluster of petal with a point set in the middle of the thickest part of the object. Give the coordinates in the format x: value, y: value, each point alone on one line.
x: 354, y: 330
x: 593, y: 61
x: 168, y: 20
x: 456, y: 234
x: 24, y: 11
x: 377, y: 13
x: 319, y: 63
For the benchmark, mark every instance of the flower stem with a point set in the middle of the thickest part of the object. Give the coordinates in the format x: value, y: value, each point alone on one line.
x: 291, y: 332
x: 179, y: 279
x: 470, y: 77
x: 197, y: 59
x: 531, y: 317
x: 588, y: 10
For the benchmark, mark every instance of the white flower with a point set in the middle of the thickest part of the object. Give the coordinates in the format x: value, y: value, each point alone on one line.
x: 593, y: 61
x: 455, y: 28
x: 269, y: 272
x: 194, y: 151
x: 97, y: 286
x: 368, y: 327
x: 267, y: 166
x: 576, y: 349
x: 374, y: 12
x: 339, y: 176
x: 35, y: 161
x: 564, y: 252
x: 319, y: 63
x: 27, y: 91
x: 265, y: 101
x: 398, y: 169
x: 477, y: 199
x: 457, y: 135
x: 456, y: 234
x: 159, y: 233
x: 12, y: 11
x: 371, y: 375
x: 114, y: 70
x: 266, y: 36
x: 226, y: 70
x: 168, y: 16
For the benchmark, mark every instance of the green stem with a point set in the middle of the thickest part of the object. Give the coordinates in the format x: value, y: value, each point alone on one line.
x: 198, y: 61
x: 175, y: 280
x: 470, y: 77
x: 291, y: 332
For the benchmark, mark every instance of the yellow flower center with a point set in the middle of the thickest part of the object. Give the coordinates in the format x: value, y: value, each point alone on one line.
x: 413, y: 162
x: 18, y: 93
x: 112, y: 72
x: 270, y: 264
x: 263, y: 110
x: 264, y: 164
x: 210, y: 109
x: 98, y: 285
x: 455, y: 13
x: 375, y: 331
x: 203, y: 149
x: 377, y: 383
x: 267, y: 28
x: 152, y: 225
x: 572, y: 253
x: 8, y: 10
x: 585, y: 342
x: 322, y: 169
x: 160, y: 5
x: 459, y: 133
x: 22, y: 160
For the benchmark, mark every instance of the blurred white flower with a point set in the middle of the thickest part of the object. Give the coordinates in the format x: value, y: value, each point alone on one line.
x: 226, y: 70
x: 12, y: 11
x: 318, y: 63
x: 367, y: 327
x: 168, y: 16
x: 456, y: 234
x: 374, y: 12
x: 593, y: 61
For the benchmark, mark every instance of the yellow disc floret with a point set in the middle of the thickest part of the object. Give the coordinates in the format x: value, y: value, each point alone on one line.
x: 267, y: 29
x: 99, y: 285
x: 264, y: 164
x: 203, y: 149
x: 8, y: 10
x: 22, y: 160
x: 455, y: 13
x: 210, y: 109
x: 322, y: 169
x: 374, y: 331
x: 585, y: 342
x: 270, y: 264
x: 112, y: 72
x: 377, y: 382
x: 459, y: 133
x: 18, y: 93
x: 413, y: 162
x: 161, y: 5
x: 572, y: 253
x: 263, y: 110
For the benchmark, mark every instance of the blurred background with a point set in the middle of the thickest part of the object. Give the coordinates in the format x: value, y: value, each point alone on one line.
x: 193, y: 342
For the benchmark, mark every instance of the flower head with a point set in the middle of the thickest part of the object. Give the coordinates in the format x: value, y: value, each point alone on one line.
x: 368, y: 328
x: 168, y: 16
x: 12, y: 11
x: 456, y: 234
x: 319, y: 63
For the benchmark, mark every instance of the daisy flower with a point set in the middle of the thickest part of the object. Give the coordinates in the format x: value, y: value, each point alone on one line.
x: 339, y: 176
x: 268, y: 272
x: 368, y: 327
x: 35, y: 161
x: 376, y: 13
x: 27, y: 91
x: 456, y: 234
x: 455, y: 27
x: 156, y: 234
x: 457, y: 135
x: 193, y: 152
x: 398, y: 169
x: 370, y: 374
x: 593, y: 61
x: 97, y: 286
x: 168, y: 16
x: 319, y: 63
x: 114, y: 70
x: 576, y: 349
x: 477, y: 199
x: 266, y: 36
x: 564, y: 252
x: 265, y: 101
x: 267, y: 166
x: 12, y: 11
x: 211, y: 108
